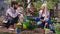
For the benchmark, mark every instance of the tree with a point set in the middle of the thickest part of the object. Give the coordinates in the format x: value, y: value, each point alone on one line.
x: 56, y: 5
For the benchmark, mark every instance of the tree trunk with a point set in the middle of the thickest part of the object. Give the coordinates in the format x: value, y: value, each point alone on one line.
x: 56, y: 9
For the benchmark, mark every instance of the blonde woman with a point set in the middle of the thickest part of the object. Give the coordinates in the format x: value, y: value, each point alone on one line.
x: 44, y: 16
x: 44, y: 12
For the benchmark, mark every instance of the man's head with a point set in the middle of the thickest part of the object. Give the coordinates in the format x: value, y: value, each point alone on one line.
x: 14, y: 4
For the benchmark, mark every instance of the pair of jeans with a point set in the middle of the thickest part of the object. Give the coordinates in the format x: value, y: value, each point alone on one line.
x: 48, y: 20
x: 41, y: 25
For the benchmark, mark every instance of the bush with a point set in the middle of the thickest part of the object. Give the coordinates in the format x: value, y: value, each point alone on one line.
x: 57, y: 28
x: 54, y: 21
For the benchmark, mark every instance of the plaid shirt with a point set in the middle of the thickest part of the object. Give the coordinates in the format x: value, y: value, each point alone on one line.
x: 10, y: 13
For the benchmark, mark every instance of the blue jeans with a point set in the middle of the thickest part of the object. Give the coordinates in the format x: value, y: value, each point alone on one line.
x: 49, y: 22
x: 41, y: 24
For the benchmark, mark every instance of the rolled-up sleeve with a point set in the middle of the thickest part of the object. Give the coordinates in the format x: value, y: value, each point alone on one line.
x: 8, y: 12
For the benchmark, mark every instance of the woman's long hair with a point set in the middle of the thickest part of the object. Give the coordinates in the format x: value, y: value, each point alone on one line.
x: 44, y: 5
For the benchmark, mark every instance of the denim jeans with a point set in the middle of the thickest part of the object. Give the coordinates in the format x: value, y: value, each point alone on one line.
x: 48, y: 20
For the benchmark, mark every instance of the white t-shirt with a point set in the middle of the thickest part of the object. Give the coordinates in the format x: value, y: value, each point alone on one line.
x: 43, y: 15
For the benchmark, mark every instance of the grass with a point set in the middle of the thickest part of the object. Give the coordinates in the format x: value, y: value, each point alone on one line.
x: 56, y: 28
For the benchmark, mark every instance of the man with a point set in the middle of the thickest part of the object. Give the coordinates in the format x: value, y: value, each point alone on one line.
x: 20, y: 11
x: 11, y: 15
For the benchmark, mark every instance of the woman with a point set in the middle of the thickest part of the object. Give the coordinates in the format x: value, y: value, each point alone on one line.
x: 44, y: 13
